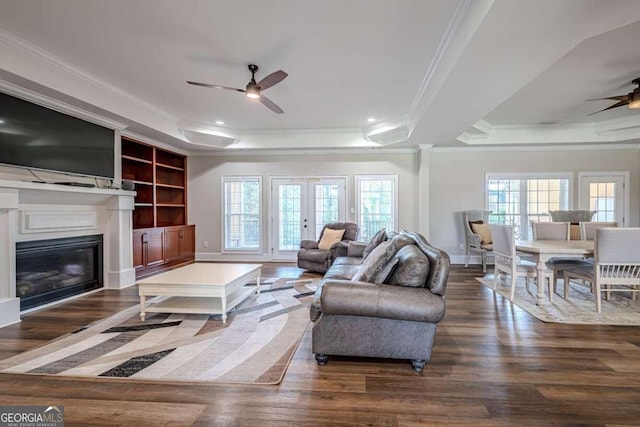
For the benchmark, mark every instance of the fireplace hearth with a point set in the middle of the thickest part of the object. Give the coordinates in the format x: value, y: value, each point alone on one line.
x: 50, y: 270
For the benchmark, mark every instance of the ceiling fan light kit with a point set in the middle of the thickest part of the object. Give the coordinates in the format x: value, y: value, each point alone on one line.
x: 631, y: 100
x: 254, y: 90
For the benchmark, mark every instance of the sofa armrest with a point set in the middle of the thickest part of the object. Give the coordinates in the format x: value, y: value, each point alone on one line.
x: 308, y: 244
x: 338, y: 249
x: 356, y: 249
x: 343, y: 297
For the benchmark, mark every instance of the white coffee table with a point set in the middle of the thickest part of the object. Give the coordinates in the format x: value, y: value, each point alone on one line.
x: 202, y: 288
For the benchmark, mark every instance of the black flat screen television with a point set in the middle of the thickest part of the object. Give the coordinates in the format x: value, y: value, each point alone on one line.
x: 36, y: 137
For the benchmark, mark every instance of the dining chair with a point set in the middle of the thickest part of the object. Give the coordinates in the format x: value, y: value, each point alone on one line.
x: 506, y: 260
x: 616, y: 265
x: 556, y: 265
x: 477, y: 236
x: 551, y: 230
x: 588, y: 229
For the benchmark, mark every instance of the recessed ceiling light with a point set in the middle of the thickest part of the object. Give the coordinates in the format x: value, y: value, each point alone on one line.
x: 371, y: 119
x: 219, y: 122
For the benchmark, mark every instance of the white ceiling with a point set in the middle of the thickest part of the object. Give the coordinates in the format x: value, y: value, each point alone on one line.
x: 426, y: 70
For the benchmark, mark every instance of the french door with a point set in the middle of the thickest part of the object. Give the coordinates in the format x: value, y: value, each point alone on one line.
x: 299, y: 209
x: 604, y: 193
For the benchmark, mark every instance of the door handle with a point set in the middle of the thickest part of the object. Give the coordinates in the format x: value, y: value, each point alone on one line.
x: 145, y: 238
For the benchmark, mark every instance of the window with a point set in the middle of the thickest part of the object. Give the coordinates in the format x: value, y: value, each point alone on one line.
x: 377, y: 203
x: 520, y: 199
x: 606, y: 193
x: 242, y: 207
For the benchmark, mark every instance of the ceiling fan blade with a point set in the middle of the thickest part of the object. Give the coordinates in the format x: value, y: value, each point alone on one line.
x: 272, y: 79
x: 624, y: 98
x: 616, y: 105
x: 271, y: 105
x: 215, y: 86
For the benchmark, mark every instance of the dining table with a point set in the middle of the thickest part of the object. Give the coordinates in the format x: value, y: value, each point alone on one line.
x: 543, y: 250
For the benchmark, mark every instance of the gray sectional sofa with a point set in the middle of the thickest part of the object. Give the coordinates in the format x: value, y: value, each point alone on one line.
x: 384, y: 299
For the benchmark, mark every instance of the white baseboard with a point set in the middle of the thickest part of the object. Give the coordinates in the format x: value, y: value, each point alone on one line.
x: 121, y: 279
x: 9, y: 311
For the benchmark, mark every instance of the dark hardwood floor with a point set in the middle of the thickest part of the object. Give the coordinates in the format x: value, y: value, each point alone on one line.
x: 492, y: 364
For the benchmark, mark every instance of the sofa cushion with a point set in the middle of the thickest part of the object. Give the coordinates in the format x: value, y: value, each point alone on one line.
x: 329, y: 238
x: 412, y: 268
x: 377, y: 238
x: 376, y: 261
x: 483, y: 231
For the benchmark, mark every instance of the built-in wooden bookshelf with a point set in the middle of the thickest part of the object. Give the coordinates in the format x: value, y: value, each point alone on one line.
x: 161, y: 236
x: 160, y: 182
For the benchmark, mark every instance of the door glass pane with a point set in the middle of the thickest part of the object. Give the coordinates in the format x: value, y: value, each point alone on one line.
x: 289, y: 215
x: 602, y: 197
x: 326, y: 202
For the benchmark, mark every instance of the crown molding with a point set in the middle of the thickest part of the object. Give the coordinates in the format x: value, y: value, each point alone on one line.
x: 512, y: 148
x: 449, y: 34
x: 389, y: 131
x: 62, y: 107
x: 41, y: 54
x: 613, y: 130
x: 301, y: 131
x: 315, y: 152
x: 461, y: 28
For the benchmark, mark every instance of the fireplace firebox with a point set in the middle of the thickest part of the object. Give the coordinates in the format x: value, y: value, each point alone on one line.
x: 50, y: 270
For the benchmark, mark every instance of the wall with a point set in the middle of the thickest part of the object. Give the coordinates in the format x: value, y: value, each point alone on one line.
x: 457, y: 180
x: 205, y: 177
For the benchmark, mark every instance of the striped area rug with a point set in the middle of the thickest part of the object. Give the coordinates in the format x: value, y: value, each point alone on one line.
x: 254, y: 346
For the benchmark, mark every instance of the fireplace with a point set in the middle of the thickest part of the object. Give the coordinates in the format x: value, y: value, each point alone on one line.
x: 50, y: 270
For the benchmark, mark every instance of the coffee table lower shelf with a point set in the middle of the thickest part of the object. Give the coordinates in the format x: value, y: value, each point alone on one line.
x: 198, y: 305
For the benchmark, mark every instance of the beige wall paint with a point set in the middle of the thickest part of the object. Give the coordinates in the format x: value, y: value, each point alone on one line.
x: 457, y: 181
x: 205, y: 177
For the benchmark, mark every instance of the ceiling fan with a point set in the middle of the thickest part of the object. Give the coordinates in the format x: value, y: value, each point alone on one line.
x: 254, y: 90
x: 632, y: 99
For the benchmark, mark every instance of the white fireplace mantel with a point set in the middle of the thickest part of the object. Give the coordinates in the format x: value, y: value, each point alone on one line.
x: 37, y: 211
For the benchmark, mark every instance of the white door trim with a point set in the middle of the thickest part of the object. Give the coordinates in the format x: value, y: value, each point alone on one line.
x: 584, y: 204
x: 270, y: 207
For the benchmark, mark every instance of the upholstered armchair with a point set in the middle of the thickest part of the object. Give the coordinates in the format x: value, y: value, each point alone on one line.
x: 318, y: 256
x: 477, y: 236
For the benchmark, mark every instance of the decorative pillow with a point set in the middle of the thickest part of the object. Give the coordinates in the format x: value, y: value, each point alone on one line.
x: 483, y: 231
x: 382, y: 276
x: 375, y: 262
x: 329, y: 238
x: 401, y: 241
x: 412, y: 269
x: 378, y: 238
